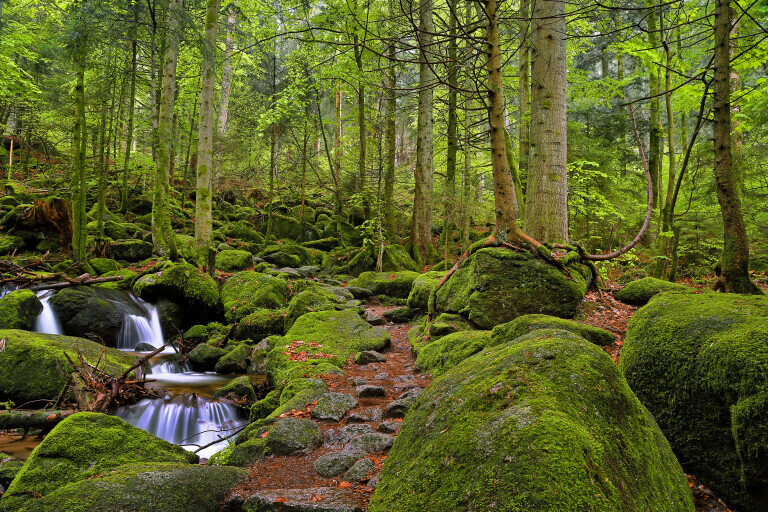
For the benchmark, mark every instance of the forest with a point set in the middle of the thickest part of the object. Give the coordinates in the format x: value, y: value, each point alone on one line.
x: 380, y: 255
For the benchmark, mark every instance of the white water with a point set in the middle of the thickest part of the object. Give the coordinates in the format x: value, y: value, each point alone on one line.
x: 187, y: 420
x: 140, y: 329
x: 47, y: 322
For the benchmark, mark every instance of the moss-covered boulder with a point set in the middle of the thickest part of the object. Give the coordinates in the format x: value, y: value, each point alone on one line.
x: 422, y: 288
x: 9, y: 468
x: 639, y: 292
x: 298, y: 254
x: 185, y: 284
x: 233, y: 260
x: 699, y: 363
x: 83, y: 311
x: 349, y: 261
x: 33, y: 366
x: 495, y: 285
x: 260, y: 324
x: 529, y: 323
x: 204, y: 357
x: 395, y: 258
x: 19, y: 309
x: 443, y: 354
x: 392, y: 284
x: 546, y: 423
x: 243, y: 232
x: 333, y: 406
x: 149, y: 487
x: 245, y: 292
x: 82, y: 446
x: 10, y: 243
x: 239, y: 389
x: 130, y: 250
x: 104, y: 265
x: 322, y: 342
x: 125, y: 283
x: 317, y: 298
x: 234, y: 361
x: 265, y: 406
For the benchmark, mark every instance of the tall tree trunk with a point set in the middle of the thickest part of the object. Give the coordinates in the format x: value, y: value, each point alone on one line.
x: 131, y: 109
x: 452, y: 136
x: 361, y: 162
x: 423, y: 174
x: 524, y: 64
x: 390, y: 140
x: 79, y: 143
x: 734, y: 276
x: 204, y: 200
x: 226, y: 72
x: 163, y: 237
x: 666, y: 224
x: 654, y: 150
x: 102, y: 169
x: 547, y: 195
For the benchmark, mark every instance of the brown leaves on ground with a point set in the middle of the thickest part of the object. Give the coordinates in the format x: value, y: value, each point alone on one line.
x: 294, y: 353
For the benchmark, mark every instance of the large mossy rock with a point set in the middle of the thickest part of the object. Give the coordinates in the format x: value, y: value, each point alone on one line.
x: 423, y: 285
x: 245, y: 292
x: 320, y: 343
x: 316, y: 298
x: 495, y: 285
x: 350, y: 261
x: 699, y: 363
x: 148, y: 487
x: 260, y: 324
x: 232, y: 260
x: 639, y: 292
x: 84, y: 311
x: 392, y: 284
x: 34, y: 366
x: 545, y: 423
x: 441, y: 355
x: 184, y: 283
x: 395, y: 258
x: 82, y: 446
x: 130, y: 250
x: 529, y: 323
x: 19, y: 309
x: 303, y: 255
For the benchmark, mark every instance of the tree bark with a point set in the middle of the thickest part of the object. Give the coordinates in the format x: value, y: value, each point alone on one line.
x: 390, y: 140
x: 226, y: 72
x: 421, y: 233
x: 204, y: 200
x: 131, y: 109
x: 361, y: 161
x: 654, y: 150
x: 79, y: 144
x: 453, y: 125
x: 734, y: 276
x: 163, y: 237
x: 524, y: 64
x: 547, y: 195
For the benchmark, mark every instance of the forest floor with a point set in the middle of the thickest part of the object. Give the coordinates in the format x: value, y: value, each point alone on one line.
x: 291, y: 480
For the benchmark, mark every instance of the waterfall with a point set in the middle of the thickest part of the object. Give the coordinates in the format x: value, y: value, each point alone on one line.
x: 188, y: 420
x: 168, y: 364
x: 141, y: 329
x: 47, y: 322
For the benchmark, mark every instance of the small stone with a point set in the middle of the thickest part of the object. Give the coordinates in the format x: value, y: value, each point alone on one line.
x: 390, y: 427
x: 313, y: 499
x: 333, y: 406
x: 373, y: 482
x: 373, y: 318
x: 358, y: 381
x: 366, y: 415
x: 398, y: 408
x: 336, y: 463
x: 381, y: 376
x: 369, y: 391
x: 369, y: 356
x: 412, y: 393
x: 371, y: 443
x: 359, y: 470
x: 144, y: 347
x: 346, y: 434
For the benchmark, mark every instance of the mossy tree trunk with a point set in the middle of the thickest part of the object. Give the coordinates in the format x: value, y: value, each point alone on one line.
x: 390, y: 138
x: 449, y: 203
x: 163, y: 237
x: 204, y: 200
x: 547, y: 195
x: 662, y: 268
x: 734, y: 276
x: 654, y: 149
x: 524, y: 65
x: 79, y: 144
x: 421, y: 233
x: 131, y: 109
x: 362, y: 134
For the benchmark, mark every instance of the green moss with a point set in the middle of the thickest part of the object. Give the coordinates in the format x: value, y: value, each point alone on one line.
x: 260, y: 324
x: 131, y: 250
x: 266, y: 405
x: 127, y: 281
x: 235, y: 361
x: 245, y: 292
x: 149, y: 487
x: 181, y: 281
x: 699, y: 363
x: 233, y: 260
x: 546, y: 424
x: 527, y: 323
x: 422, y: 288
x: 641, y: 291
x: 348, y: 261
x: 439, y: 356
x: 495, y: 285
x: 393, y: 284
x: 395, y: 258
x: 327, y: 338
x: 314, y: 299
x: 296, y: 386
x: 10, y: 243
x: 204, y: 357
x: 19, y: 309
x: 34, y: 367
x: 104, y: 265
x: 238, y: 388
x: 305, y: 255
x: 85, y: 445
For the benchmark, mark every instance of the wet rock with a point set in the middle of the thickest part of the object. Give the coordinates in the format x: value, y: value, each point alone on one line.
x: 371, y: 414
x: 186, y: 284
x: 314, y: 499
x: 336, y: 463
x: 19, y: 309
x: 239, y: 389
x: 369, y: 356
x: 234, y: 361
x: 81, y: 311
x: 390, y: 427
x: 373, y: 318
x: 144, y: 347
x: 398, y: 408
x: 204, y: 357
x: 359, y: 470
x: 369, y: 391
x: 399, y: 315
x: 333, y: 406
x: 288, y: 436
x: 359, y: 293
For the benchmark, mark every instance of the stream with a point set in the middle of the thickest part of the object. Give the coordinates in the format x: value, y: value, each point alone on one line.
x: 186, y: 413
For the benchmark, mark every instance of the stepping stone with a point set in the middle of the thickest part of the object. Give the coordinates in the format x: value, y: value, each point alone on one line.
x: 390, y: 427
x: 381, y: 376
x: 346, y: 434
x: 366, y: 415
x: 371, y: 443
x: 359, y: 293
x: 336, y: 463
x: 358, y: 381
x: 313, y: 499
x: 369, y: 356
x: 398, y: 408
x: 359, y: 471
x: 373, y: 318
x: 369, y: 391
x: 333, y: 406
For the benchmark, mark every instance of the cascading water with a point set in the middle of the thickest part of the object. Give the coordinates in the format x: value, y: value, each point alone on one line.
x: 140, y: 329
x: 47, y: 322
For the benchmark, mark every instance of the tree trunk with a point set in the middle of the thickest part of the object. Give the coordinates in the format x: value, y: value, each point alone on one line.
x: 547, y: 195
x: 734, y: 276
x: 654, y: 150
x: 390, y: 142
x: 524, y: 65
x: 131, y: 109
x: 163, y: 237
x: 666, y: 225
x: 450, y: 158
x: 361, y: 165
x: 226, y: 72
x: 421, y: 233
x: 204, y: 200
x: 79, y: 143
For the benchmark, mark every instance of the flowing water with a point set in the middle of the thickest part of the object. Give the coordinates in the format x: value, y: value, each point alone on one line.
x: 186, y: 413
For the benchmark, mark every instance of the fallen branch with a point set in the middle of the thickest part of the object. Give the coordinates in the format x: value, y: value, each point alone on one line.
x: 78, y: 281
x: 43, y: 419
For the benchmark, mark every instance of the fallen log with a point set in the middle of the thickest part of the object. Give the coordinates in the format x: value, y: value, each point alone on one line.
x: 78, y: 281
x: 32, y: 419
